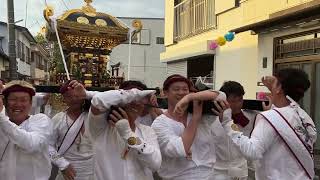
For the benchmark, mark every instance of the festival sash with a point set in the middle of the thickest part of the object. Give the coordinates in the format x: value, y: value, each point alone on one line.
x: 292, y: 140
x: 71, y: 135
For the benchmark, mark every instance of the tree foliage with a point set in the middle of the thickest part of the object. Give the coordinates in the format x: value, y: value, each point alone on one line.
x: 40, y: 39
x: 55, y: 64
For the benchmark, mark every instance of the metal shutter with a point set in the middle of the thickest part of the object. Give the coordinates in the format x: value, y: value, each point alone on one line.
x: 177, y: 68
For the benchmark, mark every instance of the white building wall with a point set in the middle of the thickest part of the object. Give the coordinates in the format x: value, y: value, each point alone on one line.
x: 4, y: 45
x: 23, y: 67
x: 145, y: 59
x: 4, y: 34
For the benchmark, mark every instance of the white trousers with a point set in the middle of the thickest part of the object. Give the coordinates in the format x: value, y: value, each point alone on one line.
x: 223, y: 175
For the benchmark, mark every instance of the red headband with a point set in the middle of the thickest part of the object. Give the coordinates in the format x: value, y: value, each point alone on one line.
x: 18, y: 88
x: 177, y: 78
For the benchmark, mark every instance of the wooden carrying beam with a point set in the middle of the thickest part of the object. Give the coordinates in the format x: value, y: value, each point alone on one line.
x: 55, y: 89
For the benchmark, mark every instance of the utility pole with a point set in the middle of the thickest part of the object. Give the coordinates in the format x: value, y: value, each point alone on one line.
x: 12, y: 42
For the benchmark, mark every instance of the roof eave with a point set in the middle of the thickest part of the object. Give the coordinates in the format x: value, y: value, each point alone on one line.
x: 292, y: 14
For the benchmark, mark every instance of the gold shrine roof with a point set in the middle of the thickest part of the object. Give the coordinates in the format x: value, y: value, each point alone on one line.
x: 91, y: 18
x: 86, y: 28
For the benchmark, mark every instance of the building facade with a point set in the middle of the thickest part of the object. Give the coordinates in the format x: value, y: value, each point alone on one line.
x: 4, y: 58
x: 39, y: 65
x: 191, y: 24
x: 270, y: 35
x: 189, y: 27
x: 24, y: 40
x: 146, y: 46
x: 26, y: 47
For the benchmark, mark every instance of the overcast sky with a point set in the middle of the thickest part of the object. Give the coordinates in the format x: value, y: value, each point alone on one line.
x: 118, y: 8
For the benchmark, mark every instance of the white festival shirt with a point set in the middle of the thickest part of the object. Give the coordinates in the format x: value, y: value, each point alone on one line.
x: 274, y: 159
x: 140, y: 161
x: 24, y: 148
x: 37, y: 102
x: 229, y: 156
x: 80, y: 153
x: 147, y: 119
x: 175, y: 164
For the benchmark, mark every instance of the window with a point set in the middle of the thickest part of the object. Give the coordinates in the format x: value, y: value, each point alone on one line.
x: 176, y: 2
x: 37, y: 58
x: 143, y: 37
x: 46, y: 66
x: 27, y: 55
x: 1, y: 43
x: 136, y: 38
x: 160, y: 40
x: 32, y: 56
x: 203, y: 18
x: 41, y: 63
x: 19, y: 49
x: 297, y: 45
x: 23, y: 55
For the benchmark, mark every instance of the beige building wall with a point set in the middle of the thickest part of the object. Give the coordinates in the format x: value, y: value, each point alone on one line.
x: 265, y: 44
x: 237, y: 60
x: 168, y: 27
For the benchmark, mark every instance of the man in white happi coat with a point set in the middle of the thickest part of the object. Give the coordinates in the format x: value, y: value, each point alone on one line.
x: 231, y: 164
x: 187, y: 140
x: 283, y: 137
x: 71, y: 147
x: 24, y: 138
x: 124, y: 148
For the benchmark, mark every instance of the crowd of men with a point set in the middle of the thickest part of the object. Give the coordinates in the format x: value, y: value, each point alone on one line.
x: 124, y: 135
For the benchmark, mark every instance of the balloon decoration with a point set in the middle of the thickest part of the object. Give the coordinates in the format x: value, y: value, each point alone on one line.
x: 213, y: 45
x: 221, y: 40
x: 229, y: 36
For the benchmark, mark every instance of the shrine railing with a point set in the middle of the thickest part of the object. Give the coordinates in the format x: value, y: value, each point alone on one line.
x: 114, y: 82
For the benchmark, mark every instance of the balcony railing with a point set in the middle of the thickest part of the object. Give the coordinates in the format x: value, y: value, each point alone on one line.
x: 192, y: 17
x: 207, y: 81
x: 299, y: 48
